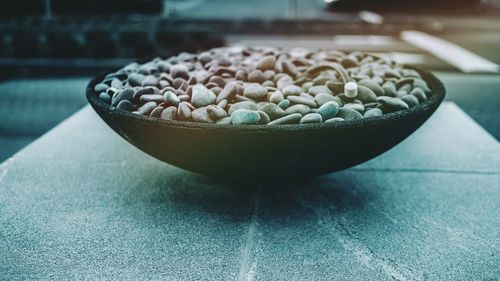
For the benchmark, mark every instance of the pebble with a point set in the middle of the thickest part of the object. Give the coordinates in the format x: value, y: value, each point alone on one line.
x: 215, y: 112
x: 256, y: 76
x: 366, y: 95
x: 288, y: 119
x: 125, y: 105
x: 147, y: 108
x: 264, y: 118
x: 201, y: 115
x: 336, y: 87
x: 117, y: 84
x: 291, y: 90
x: 316, y: 90
x: 298, y: 108
x: 224, y: 121
x: 349, y: 114
x: 125, y: 94
x: 105, y: 97
x: 150, y: 80
x: 410, y: 100
x: 242, y: 105
x: 172, y: 98
x: 184, y: 111
x: 392, y: 104
x: 356, y: 106
x: 148, y: 98
x: 135, y: 79
x: 328, y: 110
x: 266, y: 63
x: 202, y: 96
x: 276, y: 97
x: 389, y: 89
x: 144, y: 91
x: 284, y: 104
x: 311, y: 118
x: 375, y: 87
x: 373, y: 113
x: 321, y: 99
x: 419, y: 94
x: 229, y: 92
x: 157, y: 111
x: 302, y: 100
x: 284, y: 81
x: 273, y: 111
x: 101, y: 87
x: 334, y: 120
x: 179, y: 71
x: 244, y: 117
x: 169, y: 113
x: 255, y: 92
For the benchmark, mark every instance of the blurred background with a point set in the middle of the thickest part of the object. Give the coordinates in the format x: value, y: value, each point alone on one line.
x: 49, y: 49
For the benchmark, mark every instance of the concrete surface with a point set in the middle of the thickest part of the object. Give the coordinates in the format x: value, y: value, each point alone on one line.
x: 81, y: 203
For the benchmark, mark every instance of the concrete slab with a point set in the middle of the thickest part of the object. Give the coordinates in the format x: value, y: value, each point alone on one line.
x: 82, y: 203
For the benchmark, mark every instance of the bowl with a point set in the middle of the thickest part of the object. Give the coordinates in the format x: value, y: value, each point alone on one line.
x: 263, y: 151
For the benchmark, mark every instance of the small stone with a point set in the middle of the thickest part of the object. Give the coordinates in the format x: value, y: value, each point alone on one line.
x: 126, y: 94
x: 316, y: 90
x: 298, y: 108
x: 255, y: 92
x: 135, y: 79
x: 201, y: 115
x: 349, y: 114
x: 419, y: 94
x: 148, y: 98
x: 356, y: 106
x: 372, y: 86
x: 276, y: 97
x: 242, y: 105
x: 283, y: 82
x: 311, y: 118
x: 348, y: 62
x: 169, y: 113
x: 244, y: 117
x: 147, y: 108
x: 256, y: 76
x: 202, y: 96
x: 224, y: 121
x: 366, y: 95
x: 328, y: 110
x: 392, y: 104
x: 389, y: 89
x: 264, y: 118
x: 184, y: 111
x: 157, y: 111
x: 273, y: 111
x: 419, y: 83
x: 150, y: 80
x: 336, y: 87
x: 284, y: 104
x: 144, y: 91
x: 291, y: 90
x: 125, y: 105
x: 179, y: 71
x: 105, y: 97
x: 117, y: 84
x: 266, y: 63
x: 335, y: 120
x: 374, y: 112
x: 229, y: 92
x: 288, y: 119
x: 410, y: 100
x: 101, y: 87
x: 302, y: 100
x: 215, y: 112
x: 222, y: 104
x: 171, y: 97
x: 321, y: 99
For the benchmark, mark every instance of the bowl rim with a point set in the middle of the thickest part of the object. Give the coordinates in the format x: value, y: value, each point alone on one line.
x: 437, y: 96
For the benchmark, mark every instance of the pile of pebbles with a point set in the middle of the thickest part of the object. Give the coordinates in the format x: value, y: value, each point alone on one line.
x: 264, y: 85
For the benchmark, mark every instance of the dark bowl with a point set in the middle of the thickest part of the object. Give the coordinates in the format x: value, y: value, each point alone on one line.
x: 262, y: 152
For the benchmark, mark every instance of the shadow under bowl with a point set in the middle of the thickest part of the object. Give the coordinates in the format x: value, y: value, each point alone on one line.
x: 262, y: 152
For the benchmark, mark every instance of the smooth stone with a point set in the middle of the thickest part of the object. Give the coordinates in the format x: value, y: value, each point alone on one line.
x: 229, y: 92
x: 316, y: 90
x: 184, y: 111
x: 356, y: 106
x: 366, y: 95
x: 348, y: 62
x: 306, y: 86
x: 392, y: 104
x: 144, y: 91
x: 328, y: 110
x: 157, y: 112
x: 276, y: 97
x: 125, y: 94
x: 389, y: 89
x: 335, y: 120
x: 136, y: 79
x: 105, y: 97
x: 298, y: 108
x: 215, y: 112
x: 302, y: 100
x: 169, y: 113
x: 410, y: 100
x: 201, y: 115
x: 101, y: 87
x: 224, y: 121
x: 266, y: 63
x: 201, y: 96
x: 284, y: 81
x: 179, y: 71
x: 335, y: 87
x: 150, y: 80
x: 117, y: 84
x: 373, y: 113
x: 147, y: 108
x: 244, y: 117
x: 264, y: 118
x: 256, y: 76
x: 273, y: 111
x: 291, y: 90
x: 419, y: 83
x: 255, y: 92
x: 311, y: 118
x: 419, y: 94
x: 172, y: 98
x: 375, y: 87
x: 349, y: 114
x: 242, y: 105
x: 148, y: 98
x: 288, y: 119
x: 321, y: 99
x: 125, y: 105
x: 284, y: 104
